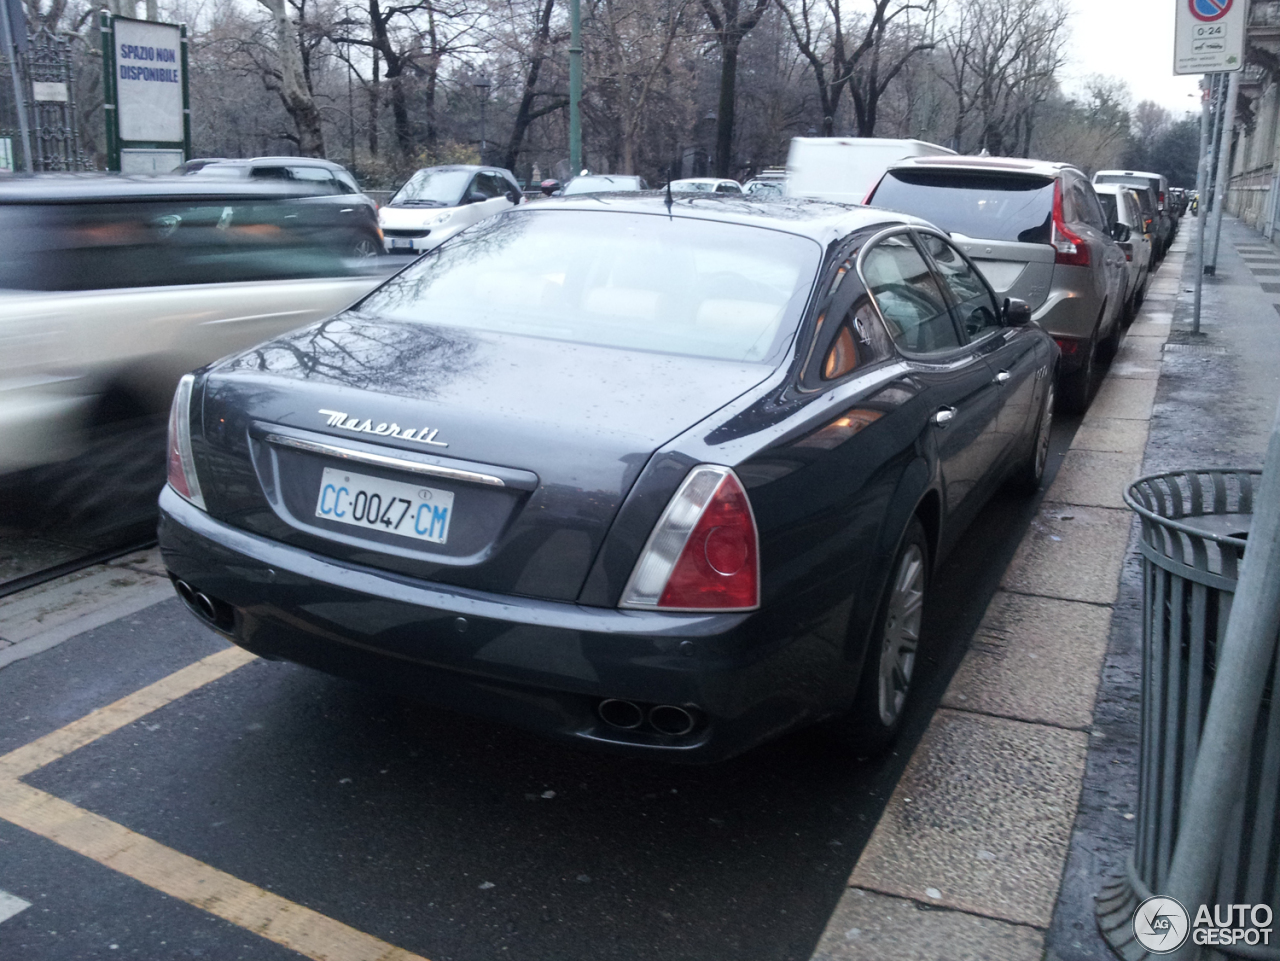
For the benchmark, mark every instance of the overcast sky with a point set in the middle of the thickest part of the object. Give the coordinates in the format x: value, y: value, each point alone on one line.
x: 1131, y: 40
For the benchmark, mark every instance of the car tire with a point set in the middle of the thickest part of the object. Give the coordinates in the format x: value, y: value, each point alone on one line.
x: 1028, y: 475
x: 365, y: 249
x: 1075, y: 389
x: 884, y: 689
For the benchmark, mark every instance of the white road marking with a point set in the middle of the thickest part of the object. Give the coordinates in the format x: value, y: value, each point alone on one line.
x: 11, y: 904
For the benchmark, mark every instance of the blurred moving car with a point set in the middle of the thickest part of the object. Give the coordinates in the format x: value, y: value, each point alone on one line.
x: 666, y: 481
x: 438, y: 202
x: 603, y: 183
x: 844, y: 169
x: 1038, y: 233
x: 1166, y: 222
x: 121, y: 285
x: 706, y: 185
x: 326, y: 181
x: 1120, y: 205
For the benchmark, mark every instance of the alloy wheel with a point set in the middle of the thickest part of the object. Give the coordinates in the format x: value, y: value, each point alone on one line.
x: 1042, y: 438
x: 901, y: 634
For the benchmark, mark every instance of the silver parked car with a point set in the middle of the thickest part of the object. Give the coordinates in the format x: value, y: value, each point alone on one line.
x: 1166, y: 222
x: 1121, y: 205
x: 1038, y: 233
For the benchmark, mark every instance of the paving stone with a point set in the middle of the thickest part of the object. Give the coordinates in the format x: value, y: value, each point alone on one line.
x: 1111, y: 434
x: 1077, y: 559
x: 874, y: 927
x: 148, y: 561
x: 1142, y: 370
x: 1124, y: 397
x: 981, y: 818
x: 1095, y: 478
x: 1034, y: 659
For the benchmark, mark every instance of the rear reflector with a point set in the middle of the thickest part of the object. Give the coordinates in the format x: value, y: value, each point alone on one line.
x: 182, y: 466
x: 704, y: 552
x: 1068, y: 347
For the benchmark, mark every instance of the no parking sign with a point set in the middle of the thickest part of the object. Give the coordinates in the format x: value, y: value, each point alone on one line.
x: 1209, y: 36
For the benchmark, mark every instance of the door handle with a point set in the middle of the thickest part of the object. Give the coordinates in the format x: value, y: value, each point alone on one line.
x: 943, y: 416
x: 1003, y: 377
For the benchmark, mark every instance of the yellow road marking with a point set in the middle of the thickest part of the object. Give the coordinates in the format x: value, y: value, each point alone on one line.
x: 45, y: 750
x: 291, y: 925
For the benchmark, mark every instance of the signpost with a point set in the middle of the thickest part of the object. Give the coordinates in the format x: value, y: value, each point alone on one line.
x: 145, y: 88
x: 1209, y: 36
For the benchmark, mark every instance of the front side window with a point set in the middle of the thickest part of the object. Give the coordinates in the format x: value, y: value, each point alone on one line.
x: 636, y: 281
x: 912, y: 305
x: 1110, y: 209
x: 972, y: 300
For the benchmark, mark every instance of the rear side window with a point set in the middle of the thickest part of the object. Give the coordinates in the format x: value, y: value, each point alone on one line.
x: 908, y: 297
x: 161, y: 244
x: 990, y: 206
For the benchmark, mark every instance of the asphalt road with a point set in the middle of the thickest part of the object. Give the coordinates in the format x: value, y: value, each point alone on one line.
x: 446, y: 836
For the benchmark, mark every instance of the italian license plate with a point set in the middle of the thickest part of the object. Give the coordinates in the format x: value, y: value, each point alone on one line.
x: 372, y: 503
x: 399, y: 243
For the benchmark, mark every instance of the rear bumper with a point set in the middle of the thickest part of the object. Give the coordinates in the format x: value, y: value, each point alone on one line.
x: 541, y: 665
x: 1069, y: 315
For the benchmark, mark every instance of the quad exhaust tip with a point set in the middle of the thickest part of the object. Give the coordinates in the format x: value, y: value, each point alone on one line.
x: 665, y: 719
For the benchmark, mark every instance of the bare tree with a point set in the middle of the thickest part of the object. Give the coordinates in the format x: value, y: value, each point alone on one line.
x: 539, y: 46
x: 731, y: 20
x: 1004, y: 59
x: 294, y: 90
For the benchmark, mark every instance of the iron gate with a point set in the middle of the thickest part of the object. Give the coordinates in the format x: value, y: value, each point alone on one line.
x: 46, y: 71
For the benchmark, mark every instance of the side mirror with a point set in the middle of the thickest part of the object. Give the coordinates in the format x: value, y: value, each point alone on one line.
x: 1120, y: 232
x: 514, y: 195
x: 476, y: 197
x: 1017, y: 313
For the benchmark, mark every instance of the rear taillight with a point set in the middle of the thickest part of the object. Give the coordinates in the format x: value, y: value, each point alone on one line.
x: 182, y: 466
x: 704, y: 552
x: 1069, y: 246
x: 1068, y: 347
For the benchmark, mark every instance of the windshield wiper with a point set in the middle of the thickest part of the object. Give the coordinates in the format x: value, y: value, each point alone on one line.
x: 417, y: 203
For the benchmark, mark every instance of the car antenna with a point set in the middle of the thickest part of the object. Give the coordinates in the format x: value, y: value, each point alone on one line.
x: 669, y: 201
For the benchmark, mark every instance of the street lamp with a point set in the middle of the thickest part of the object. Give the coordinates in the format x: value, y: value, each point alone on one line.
x: 482, y: 84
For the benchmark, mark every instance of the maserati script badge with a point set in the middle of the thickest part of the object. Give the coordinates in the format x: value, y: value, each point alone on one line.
x: 423, y: 435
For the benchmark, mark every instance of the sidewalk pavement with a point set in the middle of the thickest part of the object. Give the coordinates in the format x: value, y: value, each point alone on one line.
x: 966, y: 861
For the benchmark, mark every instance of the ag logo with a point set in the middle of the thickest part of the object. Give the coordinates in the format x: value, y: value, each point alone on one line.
x: 1160, y: 924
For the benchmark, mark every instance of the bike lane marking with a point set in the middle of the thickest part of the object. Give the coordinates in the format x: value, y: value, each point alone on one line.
x: 136, y: 856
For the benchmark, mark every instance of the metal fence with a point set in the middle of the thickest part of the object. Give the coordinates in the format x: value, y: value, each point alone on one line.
x: 1194, y: 530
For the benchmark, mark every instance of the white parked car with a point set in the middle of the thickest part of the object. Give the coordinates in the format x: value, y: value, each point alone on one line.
x: 1121, y: 205
x: 706, y: 185
x: 844, y: 169
x: 120, y: 286
x: 438, y: 202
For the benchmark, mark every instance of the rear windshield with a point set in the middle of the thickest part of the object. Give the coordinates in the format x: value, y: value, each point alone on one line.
x: 989, y: 206
x: 94, y: 246
x: 637, y: 281
x: 1152, y: 182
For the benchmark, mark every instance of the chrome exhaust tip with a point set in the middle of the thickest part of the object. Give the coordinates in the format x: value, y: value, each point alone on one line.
x: 671, y: 720
x: 206, y: 607
x: 620, y: 714
x: 185, y: 592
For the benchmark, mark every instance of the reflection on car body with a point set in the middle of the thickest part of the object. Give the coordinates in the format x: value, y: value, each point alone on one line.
x: 701, y: 461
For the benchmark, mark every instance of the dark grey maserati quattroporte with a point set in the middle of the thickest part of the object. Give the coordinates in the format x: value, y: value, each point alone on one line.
x: 669, y: 479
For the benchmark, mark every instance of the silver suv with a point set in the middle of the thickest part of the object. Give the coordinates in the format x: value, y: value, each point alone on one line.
x: 1038, y: 233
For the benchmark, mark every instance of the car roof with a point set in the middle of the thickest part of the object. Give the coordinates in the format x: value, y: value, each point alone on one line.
x: 101, y: 188
x: 819, y: 220
x: 1044, y: 168
x: 705, y: 180
x: 292, y: 161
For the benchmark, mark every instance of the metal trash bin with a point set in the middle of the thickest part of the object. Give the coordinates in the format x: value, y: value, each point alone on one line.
x: 1194, y: 528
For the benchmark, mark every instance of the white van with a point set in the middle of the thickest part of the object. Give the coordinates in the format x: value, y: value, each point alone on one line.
x: 844, y: 169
